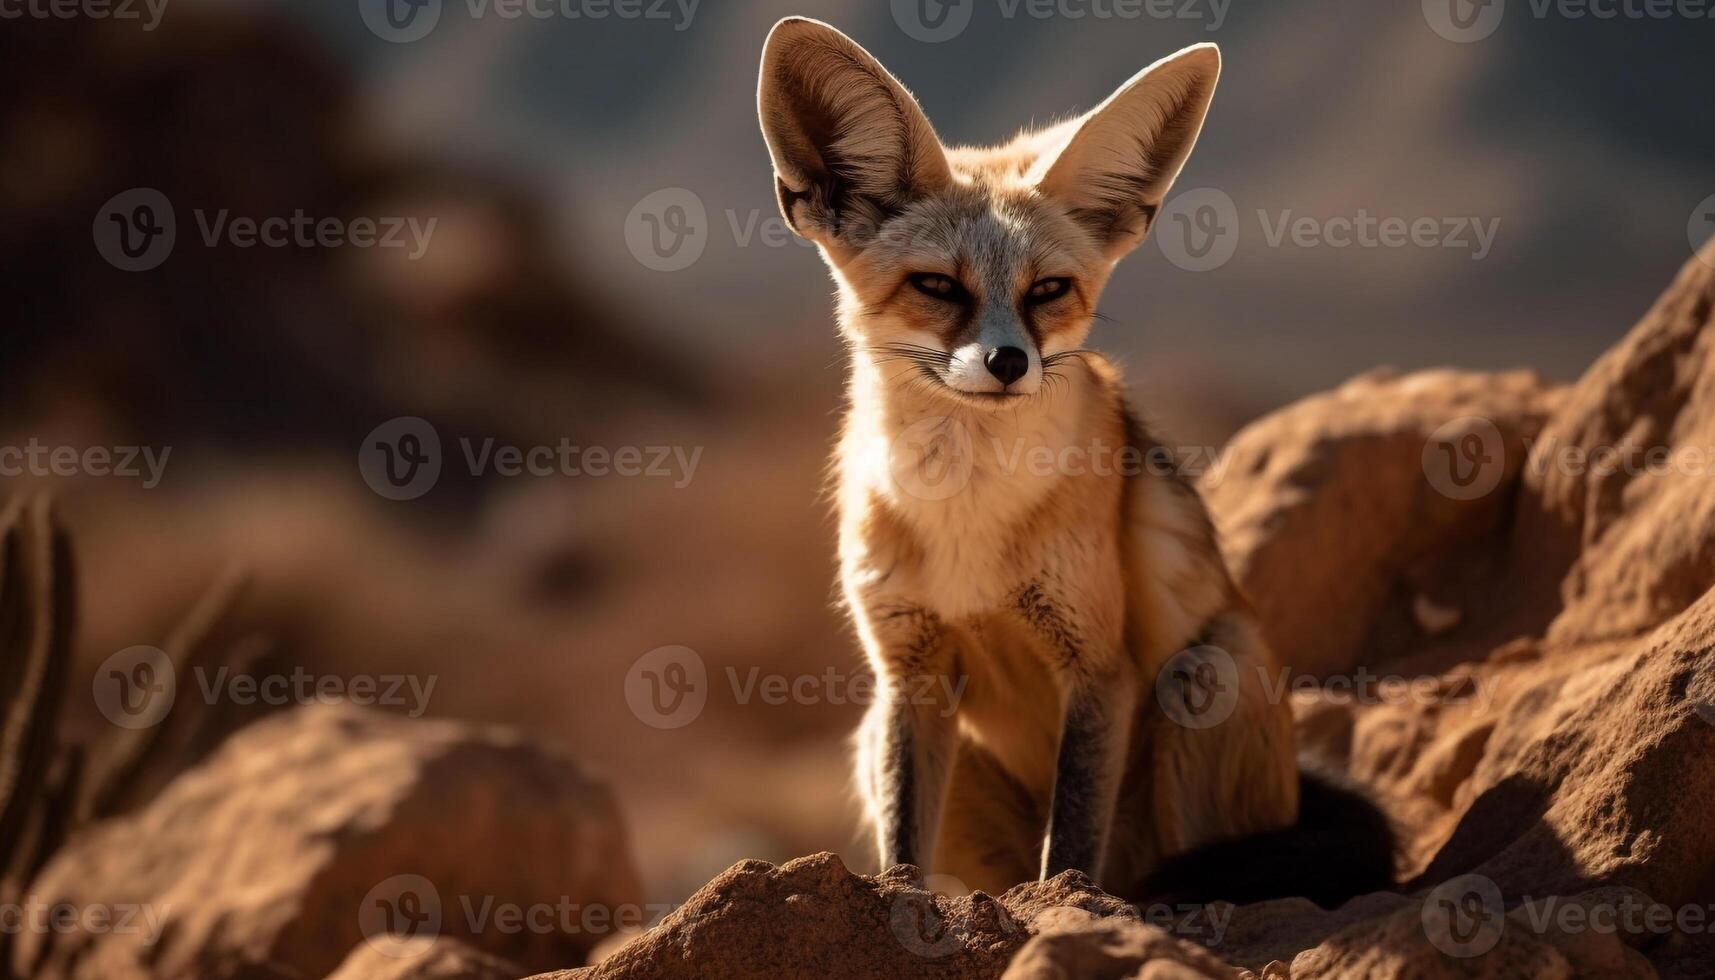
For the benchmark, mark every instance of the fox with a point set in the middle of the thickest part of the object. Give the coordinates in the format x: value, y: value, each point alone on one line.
x: 1042, y: 637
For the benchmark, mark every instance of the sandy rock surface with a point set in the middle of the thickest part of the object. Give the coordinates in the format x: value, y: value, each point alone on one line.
x: 297, y: 840
x: 445, y: 959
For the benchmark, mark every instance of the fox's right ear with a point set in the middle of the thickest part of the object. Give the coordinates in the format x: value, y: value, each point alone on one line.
x: 850, y: 145
x: 1123, y: 156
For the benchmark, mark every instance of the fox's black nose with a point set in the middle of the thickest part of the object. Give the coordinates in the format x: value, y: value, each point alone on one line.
x: 1008, y: 364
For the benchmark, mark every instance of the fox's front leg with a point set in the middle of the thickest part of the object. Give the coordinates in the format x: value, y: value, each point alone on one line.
x: 908, y: 738
x: 1098, y: 691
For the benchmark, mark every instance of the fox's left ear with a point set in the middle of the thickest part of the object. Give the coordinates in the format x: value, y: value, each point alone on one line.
x: 850, y: 145
x: 1122, y: 157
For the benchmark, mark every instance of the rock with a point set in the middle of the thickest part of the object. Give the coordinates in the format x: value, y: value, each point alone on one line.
x: 1544, y: 941
x: 1568, y: 737
x: 1616, y: 510
x: 1328, y: 508
x: 1074, y: 943
x: 813, y: 918
x: 445, y: 959
x: 304, y: 832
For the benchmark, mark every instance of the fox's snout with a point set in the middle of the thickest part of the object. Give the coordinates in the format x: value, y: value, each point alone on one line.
x: 1000, y: 364
x: 1007, y: 364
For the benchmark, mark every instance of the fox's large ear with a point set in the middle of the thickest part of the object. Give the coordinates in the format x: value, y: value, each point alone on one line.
x: 850, y: 144
x: 1122, y: 157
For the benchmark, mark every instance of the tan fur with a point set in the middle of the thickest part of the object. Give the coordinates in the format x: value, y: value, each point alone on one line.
x: 1055, y: 596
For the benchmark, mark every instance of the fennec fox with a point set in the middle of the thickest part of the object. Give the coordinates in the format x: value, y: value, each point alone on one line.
x: 1018, y: 616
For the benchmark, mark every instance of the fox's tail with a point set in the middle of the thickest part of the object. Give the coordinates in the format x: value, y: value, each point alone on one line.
x: 1342, y: 846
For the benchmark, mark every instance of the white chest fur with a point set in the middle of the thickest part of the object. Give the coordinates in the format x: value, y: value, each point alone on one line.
x: 964, y: 482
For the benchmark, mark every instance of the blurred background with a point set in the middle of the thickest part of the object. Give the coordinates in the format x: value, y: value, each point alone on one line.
x: 597, y: 261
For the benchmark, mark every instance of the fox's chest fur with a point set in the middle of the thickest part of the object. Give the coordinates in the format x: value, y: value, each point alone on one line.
x: 951, y: 507
x: 967, y: 514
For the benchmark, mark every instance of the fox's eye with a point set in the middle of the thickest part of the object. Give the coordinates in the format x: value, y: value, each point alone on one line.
x: 940, y: 287
x: 1045, y: 290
